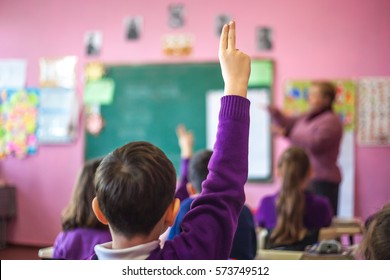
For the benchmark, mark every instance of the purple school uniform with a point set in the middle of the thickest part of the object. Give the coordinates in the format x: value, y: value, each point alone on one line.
x: 317, y: 214
x: 320, y: 135
x: 244, y: 243
x: 78, y: 244
x: 209, y: 227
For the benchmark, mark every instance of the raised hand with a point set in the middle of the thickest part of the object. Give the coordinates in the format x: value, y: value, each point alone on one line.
x: 235, y: 65
x: 186, y: 141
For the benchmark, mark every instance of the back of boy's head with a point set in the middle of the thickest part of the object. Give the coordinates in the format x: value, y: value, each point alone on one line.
x: 376, y: 241
x: 198, y: 168
x: 79, y: 212
x: 134, y: 186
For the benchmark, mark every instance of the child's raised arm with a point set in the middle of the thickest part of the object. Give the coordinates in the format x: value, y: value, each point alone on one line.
x: 186, y: 143
x: 208, y: 228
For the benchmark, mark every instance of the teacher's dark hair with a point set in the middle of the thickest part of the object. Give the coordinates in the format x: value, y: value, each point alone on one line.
x: 327, y: 90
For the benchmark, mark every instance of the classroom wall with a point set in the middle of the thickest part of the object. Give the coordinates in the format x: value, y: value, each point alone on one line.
x: 312, y: 39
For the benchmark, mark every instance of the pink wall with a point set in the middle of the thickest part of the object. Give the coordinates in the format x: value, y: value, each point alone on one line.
x: 313, y: 39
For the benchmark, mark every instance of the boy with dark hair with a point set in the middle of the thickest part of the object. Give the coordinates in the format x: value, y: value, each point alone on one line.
x: 135, y: 184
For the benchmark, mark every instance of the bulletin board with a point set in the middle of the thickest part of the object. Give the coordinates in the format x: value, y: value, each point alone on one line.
x: 151, y: 100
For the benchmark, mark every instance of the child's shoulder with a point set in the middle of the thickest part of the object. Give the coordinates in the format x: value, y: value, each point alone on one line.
x: 271, y: 198
x: 316, y: 201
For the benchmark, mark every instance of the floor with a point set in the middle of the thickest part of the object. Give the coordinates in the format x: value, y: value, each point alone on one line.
x: 19, y: 252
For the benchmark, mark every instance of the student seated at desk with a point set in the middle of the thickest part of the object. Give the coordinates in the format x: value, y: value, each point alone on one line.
x: 135, y: 184
x: 376, y: 238
x: 193, y: 172
x: 81, y: 230
x: 293, y: 216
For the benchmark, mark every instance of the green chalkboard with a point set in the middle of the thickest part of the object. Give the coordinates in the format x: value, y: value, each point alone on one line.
x: 150, y: 101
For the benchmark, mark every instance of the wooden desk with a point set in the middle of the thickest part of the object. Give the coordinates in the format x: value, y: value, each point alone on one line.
x: 263, y: 254
x: 7, y: 210
x: 345, y: 227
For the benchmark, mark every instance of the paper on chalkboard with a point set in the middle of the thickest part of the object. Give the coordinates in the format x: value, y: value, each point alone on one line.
x: 99, y: 92
x: 261, y: 73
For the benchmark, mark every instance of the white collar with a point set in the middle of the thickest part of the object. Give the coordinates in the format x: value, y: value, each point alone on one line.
x: 140, y: 252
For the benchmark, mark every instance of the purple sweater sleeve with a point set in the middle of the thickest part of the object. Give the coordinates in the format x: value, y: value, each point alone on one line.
x: 208, y: 228
x: 181, y: 190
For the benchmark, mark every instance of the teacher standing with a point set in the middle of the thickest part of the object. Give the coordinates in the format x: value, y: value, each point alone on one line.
x: 319, y: 132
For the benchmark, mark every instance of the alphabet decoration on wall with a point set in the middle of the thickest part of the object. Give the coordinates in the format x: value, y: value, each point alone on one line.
x: 374, y: 112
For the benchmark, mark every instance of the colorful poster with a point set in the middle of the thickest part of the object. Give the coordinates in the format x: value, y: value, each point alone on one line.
x: 18, y: 122
x: 374, y: 112
x: 296, y: 100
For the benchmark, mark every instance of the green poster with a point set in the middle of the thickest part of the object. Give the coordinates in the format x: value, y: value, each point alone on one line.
x: 99, y: 92
x: 261, y: 73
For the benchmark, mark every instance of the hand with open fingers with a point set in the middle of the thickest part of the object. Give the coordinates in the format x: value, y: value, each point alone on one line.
x: 186, y: 141
x: 235, y: 65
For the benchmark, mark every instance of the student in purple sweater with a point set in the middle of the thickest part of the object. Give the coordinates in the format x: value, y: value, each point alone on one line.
x: 293, y: 216
x: 135, y: 184
x: 194, y: 170
x: 81, y: 230
x: 319, y: 132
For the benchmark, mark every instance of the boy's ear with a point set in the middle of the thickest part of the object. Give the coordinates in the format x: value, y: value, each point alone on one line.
x: 190, y: 189
x: 172, y: 211
x: 98, y: 212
